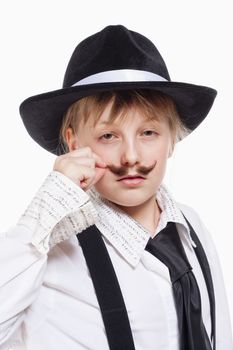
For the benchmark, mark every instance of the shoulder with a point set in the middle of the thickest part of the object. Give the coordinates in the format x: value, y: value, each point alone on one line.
x: 189, y: 212
x: 199, y: 226
x: 205, y: 237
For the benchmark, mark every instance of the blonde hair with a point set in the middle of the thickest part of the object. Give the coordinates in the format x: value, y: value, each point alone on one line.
x: 153, y: 104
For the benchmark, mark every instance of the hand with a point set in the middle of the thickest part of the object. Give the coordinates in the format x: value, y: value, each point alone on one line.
x: 82, y: 166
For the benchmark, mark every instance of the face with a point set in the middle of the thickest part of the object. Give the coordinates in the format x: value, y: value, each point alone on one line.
x: 129, y: 146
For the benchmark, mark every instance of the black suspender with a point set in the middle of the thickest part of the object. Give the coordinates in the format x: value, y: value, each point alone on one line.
x: 109, y: 294
x: 107, y: 289
x: 201, y: 256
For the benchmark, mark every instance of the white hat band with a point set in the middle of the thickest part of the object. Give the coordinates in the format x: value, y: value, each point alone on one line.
x: 121, y: 75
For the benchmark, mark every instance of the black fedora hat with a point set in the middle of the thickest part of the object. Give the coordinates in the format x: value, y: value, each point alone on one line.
x: 112, y: 59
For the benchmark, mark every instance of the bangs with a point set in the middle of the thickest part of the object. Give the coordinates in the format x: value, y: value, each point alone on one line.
x: 151, y: 104
x: 154, y: 105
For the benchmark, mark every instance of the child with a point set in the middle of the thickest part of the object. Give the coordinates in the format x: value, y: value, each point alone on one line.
x: 104, y: 257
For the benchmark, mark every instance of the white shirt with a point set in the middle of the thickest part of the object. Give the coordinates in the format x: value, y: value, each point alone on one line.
x: 47, y: 298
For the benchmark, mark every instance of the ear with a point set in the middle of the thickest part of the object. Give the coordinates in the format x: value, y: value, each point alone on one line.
x: 71, y: 139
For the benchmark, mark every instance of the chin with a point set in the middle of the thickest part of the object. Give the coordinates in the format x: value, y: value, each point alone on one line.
x: 127, y: 201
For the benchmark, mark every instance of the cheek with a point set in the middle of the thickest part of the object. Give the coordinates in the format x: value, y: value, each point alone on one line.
x: 108, y: 154
x: 159, y: 153
x: 163, y: 148
x: 160, y: 156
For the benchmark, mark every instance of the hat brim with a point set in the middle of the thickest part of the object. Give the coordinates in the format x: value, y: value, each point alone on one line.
x: 42, y: 114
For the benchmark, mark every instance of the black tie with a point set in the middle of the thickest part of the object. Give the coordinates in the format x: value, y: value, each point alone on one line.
x: 168, y: 248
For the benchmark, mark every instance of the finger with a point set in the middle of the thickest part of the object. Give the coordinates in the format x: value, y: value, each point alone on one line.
x: 87, y: 151
x: 99, y: 161
x: 98, y: 174
x: 83, y: 151
x: 86, y: 173
x: 86, y: 184
x: 90, y: 162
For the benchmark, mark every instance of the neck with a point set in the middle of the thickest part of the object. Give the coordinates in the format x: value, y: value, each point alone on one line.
x: 147, y: 214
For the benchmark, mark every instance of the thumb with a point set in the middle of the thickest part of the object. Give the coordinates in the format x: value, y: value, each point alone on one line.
x: 99, y: 172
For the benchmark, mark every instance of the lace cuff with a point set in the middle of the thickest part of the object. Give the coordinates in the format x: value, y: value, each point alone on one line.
x: 59, y: 209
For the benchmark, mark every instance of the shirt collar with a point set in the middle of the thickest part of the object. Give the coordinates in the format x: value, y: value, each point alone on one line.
x: 126, y: 234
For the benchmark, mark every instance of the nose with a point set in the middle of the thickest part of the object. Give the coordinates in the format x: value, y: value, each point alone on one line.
x: 129, y: 154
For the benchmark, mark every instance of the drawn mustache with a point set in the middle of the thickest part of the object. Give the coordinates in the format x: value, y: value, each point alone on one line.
x: 121, y: 171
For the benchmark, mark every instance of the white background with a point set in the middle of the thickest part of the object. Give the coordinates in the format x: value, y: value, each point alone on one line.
x: 195, y: 39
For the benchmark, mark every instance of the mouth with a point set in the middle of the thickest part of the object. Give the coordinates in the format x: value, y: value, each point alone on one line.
x: 131, y: 177
x: 132, y: 181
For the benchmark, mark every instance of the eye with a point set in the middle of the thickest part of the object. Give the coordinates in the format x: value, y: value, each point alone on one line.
x: 149, y: 132
x: 106, y: 136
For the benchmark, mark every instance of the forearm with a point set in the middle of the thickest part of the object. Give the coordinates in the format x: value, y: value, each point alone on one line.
x: 21, y: 274
x: 59, y: 209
